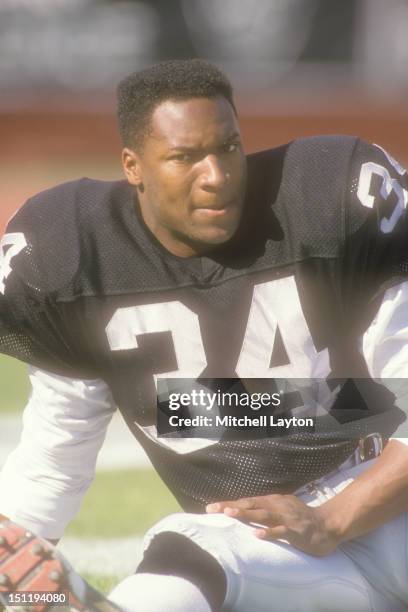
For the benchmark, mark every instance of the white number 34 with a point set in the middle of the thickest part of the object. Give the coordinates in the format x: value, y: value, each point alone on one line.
x: 275, y: 304
x: 10, y: 246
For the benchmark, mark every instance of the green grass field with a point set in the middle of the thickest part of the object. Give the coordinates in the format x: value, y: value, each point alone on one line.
x: 122, y: 503
x: 14, y: 385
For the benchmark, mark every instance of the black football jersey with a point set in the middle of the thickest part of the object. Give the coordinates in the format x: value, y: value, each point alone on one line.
x: 87, y: 291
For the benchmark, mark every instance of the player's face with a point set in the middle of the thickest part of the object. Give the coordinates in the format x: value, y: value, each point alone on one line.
x: 191, y: 174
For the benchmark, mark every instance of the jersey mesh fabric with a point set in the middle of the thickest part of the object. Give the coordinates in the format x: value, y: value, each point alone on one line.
x: 230, y: 470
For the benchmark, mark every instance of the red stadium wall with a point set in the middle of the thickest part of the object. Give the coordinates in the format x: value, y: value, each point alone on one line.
x: 39, y: 149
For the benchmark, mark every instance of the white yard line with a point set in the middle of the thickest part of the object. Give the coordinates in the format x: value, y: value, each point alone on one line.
x: 102, y: 556
x: 120, y: 450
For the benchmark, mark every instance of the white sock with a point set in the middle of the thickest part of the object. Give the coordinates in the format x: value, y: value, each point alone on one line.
x: 158, y: 593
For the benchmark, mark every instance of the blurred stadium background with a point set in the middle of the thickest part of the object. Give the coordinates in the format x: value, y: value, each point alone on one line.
x: 299, y: 67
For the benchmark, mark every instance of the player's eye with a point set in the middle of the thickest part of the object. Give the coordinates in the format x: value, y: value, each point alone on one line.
x: 181, y: 157
x: 230, y: 147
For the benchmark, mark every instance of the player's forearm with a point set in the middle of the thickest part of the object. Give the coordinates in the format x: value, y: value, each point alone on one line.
x: 375, y: 497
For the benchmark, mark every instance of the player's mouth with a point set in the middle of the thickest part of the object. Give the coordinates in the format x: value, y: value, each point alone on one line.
x: 213, y: 212
x: 216, y: 210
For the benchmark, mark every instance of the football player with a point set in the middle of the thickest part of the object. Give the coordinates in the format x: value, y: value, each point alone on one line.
x: 290, y: 264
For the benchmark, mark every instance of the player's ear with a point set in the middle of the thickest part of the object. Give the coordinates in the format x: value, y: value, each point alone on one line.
x: 131, y: 167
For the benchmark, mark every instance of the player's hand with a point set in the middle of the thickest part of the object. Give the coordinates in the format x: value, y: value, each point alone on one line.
x: 282, y: 517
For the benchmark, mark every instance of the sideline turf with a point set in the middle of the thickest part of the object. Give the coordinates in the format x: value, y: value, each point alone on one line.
x: 14, y: 385
x: 122, y: 503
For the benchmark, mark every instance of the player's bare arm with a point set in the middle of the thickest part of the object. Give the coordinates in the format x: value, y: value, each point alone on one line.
x: 373, y: 498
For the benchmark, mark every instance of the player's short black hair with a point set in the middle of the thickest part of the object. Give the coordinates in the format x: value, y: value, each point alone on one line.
x: 140, y: 92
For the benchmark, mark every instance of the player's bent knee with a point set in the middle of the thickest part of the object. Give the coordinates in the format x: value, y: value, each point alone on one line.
x: 172, y: 554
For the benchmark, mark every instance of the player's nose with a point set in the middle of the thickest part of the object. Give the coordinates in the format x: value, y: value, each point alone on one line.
x: 214, y: 175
